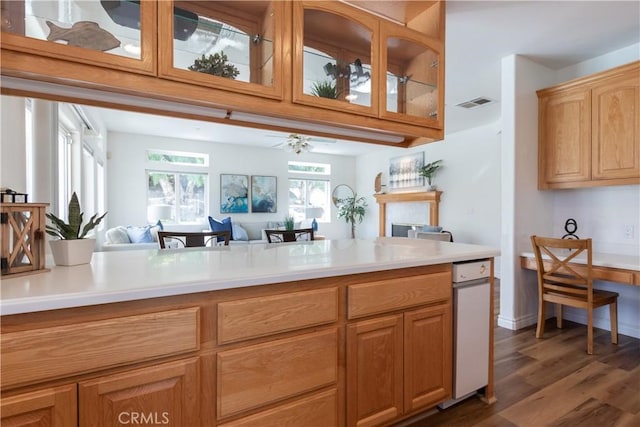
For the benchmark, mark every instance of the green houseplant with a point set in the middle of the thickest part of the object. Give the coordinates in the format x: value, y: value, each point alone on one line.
x: 216, y: 64
x: 289, y: 223
x: 325, y: 89
x: 352, y: 209
x: 72, y: 246
x: 429, y: 170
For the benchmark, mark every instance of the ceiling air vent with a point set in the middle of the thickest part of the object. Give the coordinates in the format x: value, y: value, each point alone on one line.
x: 476, y: 102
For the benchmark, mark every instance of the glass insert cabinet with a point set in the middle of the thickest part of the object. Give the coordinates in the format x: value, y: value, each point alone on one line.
x: 232, y: 44
x: 350, y: 60
x: 115, y: 34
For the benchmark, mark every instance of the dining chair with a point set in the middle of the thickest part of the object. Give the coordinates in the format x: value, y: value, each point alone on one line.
x: 186, y: 239
x: 296, y: 235
x: 563, y: 283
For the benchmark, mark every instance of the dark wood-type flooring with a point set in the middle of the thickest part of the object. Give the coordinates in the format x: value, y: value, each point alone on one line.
x: 553, y: 382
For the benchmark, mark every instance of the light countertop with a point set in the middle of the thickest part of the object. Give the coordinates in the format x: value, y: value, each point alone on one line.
x: 140, y: 274
x: 601, y: 259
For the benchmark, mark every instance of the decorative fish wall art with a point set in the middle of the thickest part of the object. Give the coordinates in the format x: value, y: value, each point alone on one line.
x: 85, y: 34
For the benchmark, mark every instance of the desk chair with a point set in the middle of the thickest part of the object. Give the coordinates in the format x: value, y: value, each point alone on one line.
x: 192, y: 239
x: 562, y: 284
x: 280, y: 236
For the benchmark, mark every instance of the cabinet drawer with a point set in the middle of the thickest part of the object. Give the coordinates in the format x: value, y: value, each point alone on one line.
x: 260, y: 374
x: 395, y: 294
x: 60, y: 351
x: 320, y: 409
x: 257, y: 317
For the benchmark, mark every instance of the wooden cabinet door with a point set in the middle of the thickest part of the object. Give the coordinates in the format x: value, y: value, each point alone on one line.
x: 43, y: 408
x: 374, y: 371
x: 165, y: 394
x: 565, y: 137
x: 616, y: 128
x: 427, y: 357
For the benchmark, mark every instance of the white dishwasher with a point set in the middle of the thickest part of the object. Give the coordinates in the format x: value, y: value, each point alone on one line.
x: 471, y: 323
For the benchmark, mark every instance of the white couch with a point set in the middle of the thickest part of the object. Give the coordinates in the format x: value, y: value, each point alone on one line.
x: 117, y: 238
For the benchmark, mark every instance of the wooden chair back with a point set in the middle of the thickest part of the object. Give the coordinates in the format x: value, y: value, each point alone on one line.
x: 296, y: 235
x: 192, y: 239
x: 563, y: 282
x: 556, y: 276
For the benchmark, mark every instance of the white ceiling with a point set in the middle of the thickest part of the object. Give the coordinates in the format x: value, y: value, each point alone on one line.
x: 555, y: 34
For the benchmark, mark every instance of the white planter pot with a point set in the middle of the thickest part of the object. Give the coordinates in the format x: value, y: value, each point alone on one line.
x: 72, y: 252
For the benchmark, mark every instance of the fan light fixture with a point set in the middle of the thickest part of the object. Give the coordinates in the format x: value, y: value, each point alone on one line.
x: 298, y: 143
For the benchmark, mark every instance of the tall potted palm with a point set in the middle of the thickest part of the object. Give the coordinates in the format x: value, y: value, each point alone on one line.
x: 72, y: 247
x: 352, y: 209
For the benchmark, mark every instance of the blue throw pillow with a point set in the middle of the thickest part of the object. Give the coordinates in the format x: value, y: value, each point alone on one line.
x: 140, y: 234
x: 432, y: 228
x: 224, y: 225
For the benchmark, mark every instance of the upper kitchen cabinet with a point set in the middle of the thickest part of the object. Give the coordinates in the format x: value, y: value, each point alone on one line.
x: 414, y: 76
x: 232, y: 45
x: 335, y: 57
x: 589, y: 131
x: 113, y: 34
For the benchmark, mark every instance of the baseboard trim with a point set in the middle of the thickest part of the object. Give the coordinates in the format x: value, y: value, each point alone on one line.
x: 519, y: 323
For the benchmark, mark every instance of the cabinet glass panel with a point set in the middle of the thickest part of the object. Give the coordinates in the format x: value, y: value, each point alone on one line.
x: 412, y: 79
x: 336, y: 61
x: 225, y: 40
x: 106, y: 26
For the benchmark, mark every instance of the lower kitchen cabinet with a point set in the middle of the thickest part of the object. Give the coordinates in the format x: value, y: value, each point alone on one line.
x: 50, y: 407
x: 165, y: 394
x: 317, y: 410
x: 427, y: 357
x: 374, y: 371
x: 158, y: 395
x: 398, y: 364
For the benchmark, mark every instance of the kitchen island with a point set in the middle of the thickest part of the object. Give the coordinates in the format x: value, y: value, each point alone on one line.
x: 331, y: 332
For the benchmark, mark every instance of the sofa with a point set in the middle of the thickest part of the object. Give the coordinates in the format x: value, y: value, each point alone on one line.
x: 127, y: 238
x: 245, y: 232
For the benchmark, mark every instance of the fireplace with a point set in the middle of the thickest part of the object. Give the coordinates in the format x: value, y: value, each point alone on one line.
x: 402, y: 230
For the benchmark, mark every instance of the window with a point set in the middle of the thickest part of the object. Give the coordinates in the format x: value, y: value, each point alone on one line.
x: 63, y: 170
x: 309, y: 191
x: 177, y: 187
x: 28, y: 122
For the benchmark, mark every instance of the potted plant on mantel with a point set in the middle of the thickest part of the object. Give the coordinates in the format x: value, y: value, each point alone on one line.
x: 428, y: 171
x: 72, y: 247
x: 352, y: 209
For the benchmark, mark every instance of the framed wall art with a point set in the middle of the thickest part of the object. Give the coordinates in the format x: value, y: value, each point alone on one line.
x: 264, y: 194
x: 403, y: 172
x: 234, y: 193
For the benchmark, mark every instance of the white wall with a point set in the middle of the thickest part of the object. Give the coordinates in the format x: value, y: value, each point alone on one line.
x: 469, y: 179
x: 127, y: 189
x: 12, y: 137
x: 525, y: 210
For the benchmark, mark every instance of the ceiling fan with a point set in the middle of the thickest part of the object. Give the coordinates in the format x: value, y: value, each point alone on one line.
x: 299, y: 143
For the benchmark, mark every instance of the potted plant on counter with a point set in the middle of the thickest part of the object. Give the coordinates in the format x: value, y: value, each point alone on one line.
x: 352, y: 209
x: 289, y: 223
x: 428, y: 171
x: 72, y: 246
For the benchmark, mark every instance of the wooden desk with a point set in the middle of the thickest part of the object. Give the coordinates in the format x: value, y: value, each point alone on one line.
x: 623, y: 269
